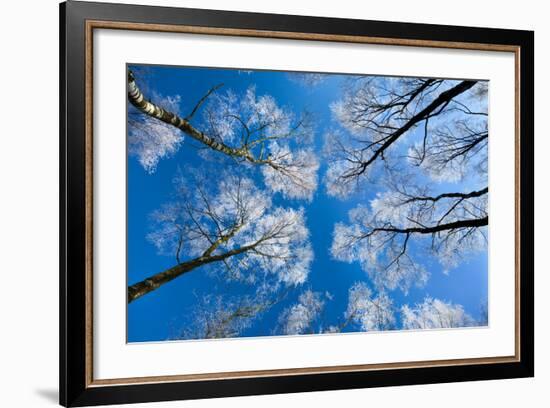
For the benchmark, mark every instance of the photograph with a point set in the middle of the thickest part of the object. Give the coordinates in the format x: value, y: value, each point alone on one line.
x: 265, y: 203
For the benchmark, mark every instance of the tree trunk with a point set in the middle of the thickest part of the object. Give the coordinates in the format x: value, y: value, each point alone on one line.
x: 154, y: 282
x: 138, y: 100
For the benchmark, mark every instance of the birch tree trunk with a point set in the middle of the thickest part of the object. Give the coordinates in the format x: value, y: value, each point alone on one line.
x: 137, y: 99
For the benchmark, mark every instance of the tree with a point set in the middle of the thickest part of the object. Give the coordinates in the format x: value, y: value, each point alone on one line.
x: 369, y: 312
x: 307, y: 79
x: 449, y: 225
x: 434, y: 314
x: 445, y: 122
x: 220, y: 316
x: 246, y: 128
x: 365, y: 311
x: 301, y: 317
x: 234, y: 227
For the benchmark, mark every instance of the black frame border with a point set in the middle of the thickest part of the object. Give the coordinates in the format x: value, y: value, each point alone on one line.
x: 73, y: 388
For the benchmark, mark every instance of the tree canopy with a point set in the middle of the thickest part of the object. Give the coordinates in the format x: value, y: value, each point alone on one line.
x: 324, y: 207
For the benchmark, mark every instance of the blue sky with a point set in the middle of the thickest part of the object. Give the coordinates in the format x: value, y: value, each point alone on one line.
x: 163, y: 313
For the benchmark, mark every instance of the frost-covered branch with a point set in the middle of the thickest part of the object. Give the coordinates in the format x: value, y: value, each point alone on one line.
x: 435, y: 314
x: 450, y: 225
x: 369, y: 312
x: 221, y: 316
x: 151, y: 140
x: 301, y: 317
x: 307, y: 79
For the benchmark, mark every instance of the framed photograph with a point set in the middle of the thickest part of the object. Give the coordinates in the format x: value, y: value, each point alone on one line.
x: 256, y: 204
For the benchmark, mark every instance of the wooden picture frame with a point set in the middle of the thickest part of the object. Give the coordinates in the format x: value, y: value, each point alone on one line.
x: 78, y: 20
